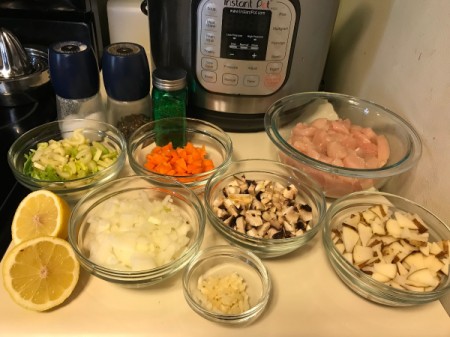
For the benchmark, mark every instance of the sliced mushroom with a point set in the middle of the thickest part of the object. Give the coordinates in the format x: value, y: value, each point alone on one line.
x: 263, y: 208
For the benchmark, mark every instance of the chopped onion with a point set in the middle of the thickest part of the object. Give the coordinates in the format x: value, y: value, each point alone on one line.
x: 133, y: 232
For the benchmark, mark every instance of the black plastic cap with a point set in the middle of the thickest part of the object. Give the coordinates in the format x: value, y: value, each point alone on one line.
x: 126, y: 73
x: 73, y: 70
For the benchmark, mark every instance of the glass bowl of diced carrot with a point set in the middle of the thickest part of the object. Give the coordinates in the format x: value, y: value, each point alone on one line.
x: 188, y: 150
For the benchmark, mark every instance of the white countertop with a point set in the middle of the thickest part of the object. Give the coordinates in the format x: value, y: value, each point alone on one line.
x: 308, y: 299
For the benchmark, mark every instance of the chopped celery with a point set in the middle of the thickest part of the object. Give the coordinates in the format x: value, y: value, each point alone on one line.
x: 68, y: 159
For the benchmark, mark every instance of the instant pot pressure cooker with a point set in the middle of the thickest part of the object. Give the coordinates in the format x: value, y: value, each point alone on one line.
x: 242, y: 55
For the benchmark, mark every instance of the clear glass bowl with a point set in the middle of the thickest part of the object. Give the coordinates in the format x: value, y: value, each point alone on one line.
x: 260, y: 169
x: 136, y: 246
x: 363, y: 284
x: 217, y: 143
x: 70, y: 190
x: 336, y: 181
x: 220, y: 261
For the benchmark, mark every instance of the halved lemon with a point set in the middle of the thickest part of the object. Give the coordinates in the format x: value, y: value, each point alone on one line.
x: 40, y: 213
x: 40, y: 273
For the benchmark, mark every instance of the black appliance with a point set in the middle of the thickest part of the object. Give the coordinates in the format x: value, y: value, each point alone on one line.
x: 39, y: 23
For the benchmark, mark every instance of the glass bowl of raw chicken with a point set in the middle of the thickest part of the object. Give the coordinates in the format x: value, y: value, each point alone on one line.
x: 346, y: 144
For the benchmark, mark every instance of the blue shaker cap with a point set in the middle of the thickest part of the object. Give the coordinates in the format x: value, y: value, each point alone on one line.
x: 126, y: 73
x: 74, y: 71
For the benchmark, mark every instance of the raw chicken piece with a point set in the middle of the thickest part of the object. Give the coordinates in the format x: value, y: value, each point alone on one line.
x: 383, y: 150
x: 336, y: 150
x: 339, y: 143
x: 320, y: 123
x: 340, y: 126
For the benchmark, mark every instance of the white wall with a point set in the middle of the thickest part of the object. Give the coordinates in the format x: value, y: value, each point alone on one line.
x: 397, y: 54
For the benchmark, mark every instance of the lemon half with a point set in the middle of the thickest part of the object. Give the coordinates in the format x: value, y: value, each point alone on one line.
x: 40, y: 213
x: 40, y: 273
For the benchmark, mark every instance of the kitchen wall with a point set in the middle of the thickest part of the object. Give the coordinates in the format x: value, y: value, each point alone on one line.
x: 397, y: 54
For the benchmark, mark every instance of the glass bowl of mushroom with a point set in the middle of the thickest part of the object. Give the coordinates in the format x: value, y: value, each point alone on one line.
x: 388, y: 249
x: 264, y: 206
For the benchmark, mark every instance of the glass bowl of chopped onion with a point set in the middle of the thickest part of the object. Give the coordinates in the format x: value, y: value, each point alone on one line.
x: 264, y: 206
x: 388, y: 249
x: 68, y: 157
x: 227, y: 284
x: 188, y: 150
x: 345, y: 143
x: 135, y: 231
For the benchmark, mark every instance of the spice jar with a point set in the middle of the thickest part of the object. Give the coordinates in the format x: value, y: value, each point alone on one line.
x: 169, y: 98
x: 169, y: 93
x: 74, y: 75
x: 126, y: 76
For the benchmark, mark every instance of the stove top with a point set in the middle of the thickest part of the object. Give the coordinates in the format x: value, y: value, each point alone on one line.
x: 11, y: 194
x: 39, y: 108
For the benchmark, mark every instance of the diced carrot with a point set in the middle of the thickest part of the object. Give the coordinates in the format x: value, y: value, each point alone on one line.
x: 180, y: 161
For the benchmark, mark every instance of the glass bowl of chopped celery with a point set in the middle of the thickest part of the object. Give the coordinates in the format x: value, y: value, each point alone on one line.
x: 68, y: 157
x: 345, y: 143
x: 227, y: 284
x: 265, y: 206
x: 188, y: 150
x: 388, y: 249
x: 135, y: 231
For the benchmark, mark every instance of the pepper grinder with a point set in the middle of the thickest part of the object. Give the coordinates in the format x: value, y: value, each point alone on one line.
x: 75, y: 77
x: 126, y: 76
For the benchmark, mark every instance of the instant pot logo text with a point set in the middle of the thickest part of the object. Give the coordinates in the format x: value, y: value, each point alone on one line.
x: 263, y: 4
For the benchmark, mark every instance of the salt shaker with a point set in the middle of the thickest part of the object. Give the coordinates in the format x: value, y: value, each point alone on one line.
x: 126, y: 76
x: 75, y: 78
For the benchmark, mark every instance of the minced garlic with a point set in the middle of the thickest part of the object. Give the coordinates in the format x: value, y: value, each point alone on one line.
x: 224, y: 294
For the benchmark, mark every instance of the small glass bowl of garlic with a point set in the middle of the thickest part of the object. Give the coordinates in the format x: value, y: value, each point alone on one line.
x: 227, y: 284
x: 388, y: 249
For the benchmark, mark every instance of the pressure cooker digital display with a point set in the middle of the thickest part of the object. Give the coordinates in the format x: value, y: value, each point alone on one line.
x: 244, y: 47
x: 244, y: 34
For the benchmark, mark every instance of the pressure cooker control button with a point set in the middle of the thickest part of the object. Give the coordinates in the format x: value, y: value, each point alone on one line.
x: 210, y: 8
x: 276, y: 55
x: 281, y: 14
x: 272, y: 81
x: 209, y: 76
x: 209, y: 64
x: 209, y: 50
x: 274, y: 67
x: 210, y: 23
x: 251, y: 80
x: 230, y: 79
x: 208, y: 37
